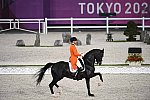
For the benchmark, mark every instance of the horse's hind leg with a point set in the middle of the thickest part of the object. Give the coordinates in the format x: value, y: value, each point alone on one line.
x: 51, y: 86
x: 60, y: 89
x: 57, y: 85
x: 54, y: 82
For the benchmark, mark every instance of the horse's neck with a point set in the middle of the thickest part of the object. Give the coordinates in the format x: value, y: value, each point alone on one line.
x: 89, y: 62
x: 89, y: 66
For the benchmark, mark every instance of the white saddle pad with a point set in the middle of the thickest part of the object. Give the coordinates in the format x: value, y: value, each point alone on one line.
x: 70, y: 67
x: 78, y: 64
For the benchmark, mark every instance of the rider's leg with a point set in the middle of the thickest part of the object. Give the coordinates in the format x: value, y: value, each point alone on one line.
x: 78, y: 74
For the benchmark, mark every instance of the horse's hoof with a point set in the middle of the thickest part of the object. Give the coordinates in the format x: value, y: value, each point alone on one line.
x: 101, y: 80
x: 92, y: 95
x: 54, y: 95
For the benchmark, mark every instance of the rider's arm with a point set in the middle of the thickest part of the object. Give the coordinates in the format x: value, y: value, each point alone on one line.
x: 75, y: 52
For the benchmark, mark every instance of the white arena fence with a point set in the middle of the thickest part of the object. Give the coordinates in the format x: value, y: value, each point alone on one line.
x: 43, y: 23
x: 103, y: 70
x: 15, y: 24
x: 9, y: 21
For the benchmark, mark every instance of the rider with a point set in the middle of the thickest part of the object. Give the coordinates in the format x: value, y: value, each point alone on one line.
x: 74, y: 54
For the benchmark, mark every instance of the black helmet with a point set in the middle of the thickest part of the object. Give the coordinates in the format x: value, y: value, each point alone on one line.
x: 73, y: 39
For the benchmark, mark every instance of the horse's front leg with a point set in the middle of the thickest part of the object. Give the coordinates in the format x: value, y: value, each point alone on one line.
x: 100, y: 75
x: 88, y: 86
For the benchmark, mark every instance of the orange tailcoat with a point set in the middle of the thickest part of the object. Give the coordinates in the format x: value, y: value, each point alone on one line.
x: 74, y: 55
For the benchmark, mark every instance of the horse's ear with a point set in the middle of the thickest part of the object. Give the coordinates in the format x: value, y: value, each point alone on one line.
x: 103, y: 50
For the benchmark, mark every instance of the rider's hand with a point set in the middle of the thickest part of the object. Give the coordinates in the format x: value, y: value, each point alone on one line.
x: 82, y: 54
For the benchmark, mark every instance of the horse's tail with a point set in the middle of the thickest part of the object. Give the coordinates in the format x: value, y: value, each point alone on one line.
x: 41, y: 72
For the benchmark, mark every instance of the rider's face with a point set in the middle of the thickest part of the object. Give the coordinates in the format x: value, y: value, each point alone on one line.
x: 75, y: 42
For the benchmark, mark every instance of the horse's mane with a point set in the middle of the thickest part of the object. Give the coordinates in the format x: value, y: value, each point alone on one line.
x: 91, y: 52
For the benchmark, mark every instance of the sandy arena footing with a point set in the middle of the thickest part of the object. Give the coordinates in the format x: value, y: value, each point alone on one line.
x: 120, y: 83
x: 114, y: 87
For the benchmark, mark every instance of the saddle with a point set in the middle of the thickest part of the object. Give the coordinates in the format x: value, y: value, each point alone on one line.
x: 80, y: 64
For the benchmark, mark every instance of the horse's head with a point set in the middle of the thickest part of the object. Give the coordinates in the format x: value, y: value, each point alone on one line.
x: 98, y: 55
x: 94, y: 55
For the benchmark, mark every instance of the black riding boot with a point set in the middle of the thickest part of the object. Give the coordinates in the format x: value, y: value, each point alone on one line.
x: 78, y: 75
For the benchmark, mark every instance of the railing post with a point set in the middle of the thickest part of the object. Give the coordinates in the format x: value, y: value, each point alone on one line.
x: 39, y: 26
x: 18, y: 24
x: 71, y: 25
x: 107, y: 25
x: 14, y: 24
x: 143, y: 26
x: 10, y: 25
x: 45, y: 25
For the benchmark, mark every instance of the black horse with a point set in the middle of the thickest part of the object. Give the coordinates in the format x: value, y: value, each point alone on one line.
x: 61, y: 69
